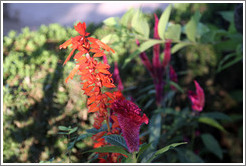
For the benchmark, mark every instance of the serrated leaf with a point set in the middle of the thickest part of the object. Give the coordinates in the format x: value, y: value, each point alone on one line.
x: 179, y: 46
x: 163, y: 22
x: 211, y: 122
x: 110, y: 149
x: 117, y: 140
x: 173, y: 32
x: 163, y: 150
x: 212, y: 145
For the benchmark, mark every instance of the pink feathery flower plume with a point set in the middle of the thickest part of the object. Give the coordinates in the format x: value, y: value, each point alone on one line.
x: 157, y: 67
x: 198, y: 98
x: 130, y: 120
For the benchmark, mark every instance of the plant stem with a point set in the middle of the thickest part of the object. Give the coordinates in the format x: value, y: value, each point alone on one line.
x: 108, y: 121
x: 134, y: 158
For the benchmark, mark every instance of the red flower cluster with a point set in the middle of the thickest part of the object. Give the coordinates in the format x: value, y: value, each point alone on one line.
x: 198, y: 98
x: 157, y: 68
x: 130, y: 120
x: 94, y: 76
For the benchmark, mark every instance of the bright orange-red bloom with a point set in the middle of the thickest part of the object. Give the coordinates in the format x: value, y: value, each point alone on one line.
x: 94, y: 75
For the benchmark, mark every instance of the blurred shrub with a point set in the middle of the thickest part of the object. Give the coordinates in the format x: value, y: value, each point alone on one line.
x: 36, y: 99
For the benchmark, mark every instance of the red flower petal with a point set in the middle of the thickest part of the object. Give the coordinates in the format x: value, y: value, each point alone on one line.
x: 198, y: 98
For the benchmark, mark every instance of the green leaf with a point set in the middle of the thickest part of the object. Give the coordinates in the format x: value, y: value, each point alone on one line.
x: 142, y: 149
x: 72, y: 130
x: 111, y: 21
x: 191, y: 29
x: 144, y: 46
x: 212, y: 145
x: 163, y: 22
x: 70, y: 145
x: 149, y: 43
x: 140, y: 24
x: 176, y: 86
x: 227, y: 15
x: 201, y: 30
x: 107, y: 39
x: 163, y: 150
x: 127, y: 17
x: 173, y: 32
x: 83, y: 136
x: 117, y: 140
x: 155, y: 130
x: 217, y: 115
x: 211, y: 122
x: 63, y: 128
x: 187, y: 156
x: 110, y: 149
x: 179, y: 46
x: 92, y: 131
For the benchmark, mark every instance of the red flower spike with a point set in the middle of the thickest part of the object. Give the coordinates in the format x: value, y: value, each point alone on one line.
x: 198, y: 98
x: 145, y: 61
x: 167, y: 53
x: 156, y: 51
x: 80, y: 28
x: 100, y: 44
x: 130, y: 120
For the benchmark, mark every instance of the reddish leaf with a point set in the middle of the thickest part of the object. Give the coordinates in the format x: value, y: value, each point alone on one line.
x: 69, y: 56
x: 93, y: 107
x: 72, y: 73
x: 103, y: 71
x: 65, y: 44
x: 98, y: 54
x: 91, y: 100
x: 108, y: 85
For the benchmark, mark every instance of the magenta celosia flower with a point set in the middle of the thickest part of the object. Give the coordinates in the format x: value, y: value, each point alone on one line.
x: 130, y: 120
x: 167, y: 53
x: 145, y: 61
x: 198, y: 98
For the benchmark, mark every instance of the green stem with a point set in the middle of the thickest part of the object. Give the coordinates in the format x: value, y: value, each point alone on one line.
x: 134, y: 158
x: 108, y: 121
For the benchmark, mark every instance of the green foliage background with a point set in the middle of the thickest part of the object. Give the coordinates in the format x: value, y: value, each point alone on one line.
x: 36, y: 99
